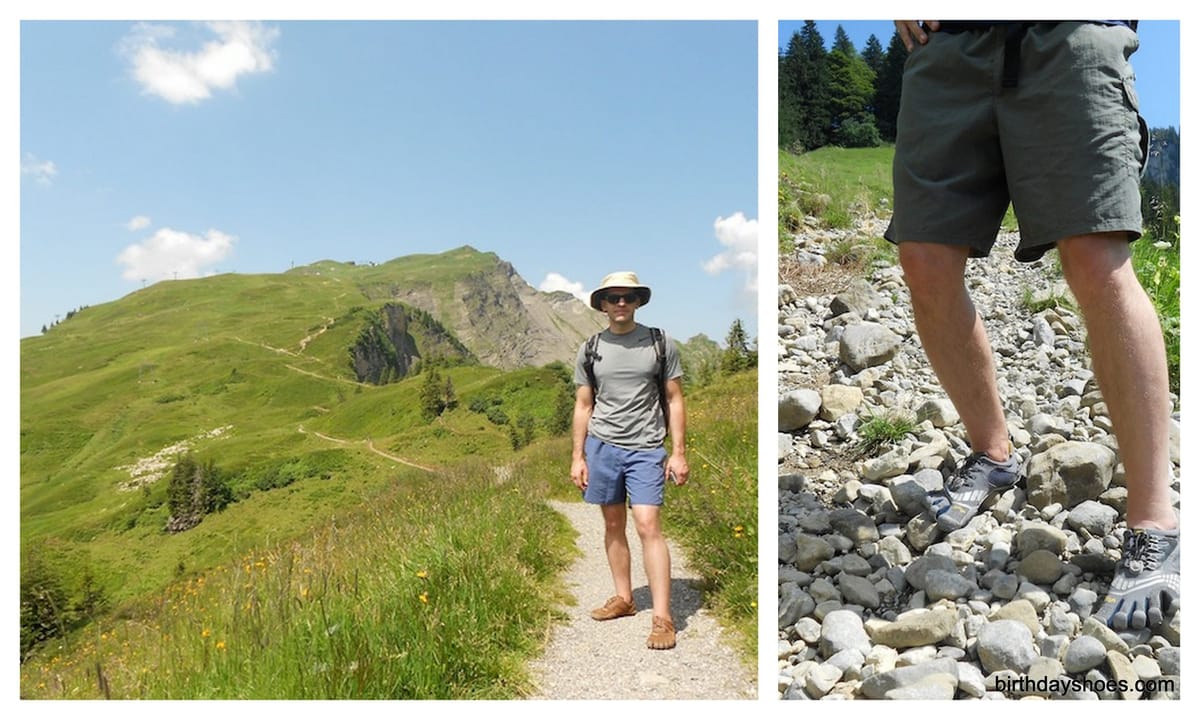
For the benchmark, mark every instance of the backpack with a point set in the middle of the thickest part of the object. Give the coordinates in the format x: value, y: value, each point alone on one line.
x: 590, y: 356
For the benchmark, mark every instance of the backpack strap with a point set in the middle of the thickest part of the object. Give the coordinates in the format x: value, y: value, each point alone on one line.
x: 590, y: 356
x: 660, y: 374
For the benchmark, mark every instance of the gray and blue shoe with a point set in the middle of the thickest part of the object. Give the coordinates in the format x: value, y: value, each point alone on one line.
x: 1145, y: 587
x: 972, y: 483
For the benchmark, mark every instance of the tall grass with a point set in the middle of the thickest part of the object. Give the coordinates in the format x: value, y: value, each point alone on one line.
x: 715, y: 515
x: 1157, y: 264
x: 421, y: 593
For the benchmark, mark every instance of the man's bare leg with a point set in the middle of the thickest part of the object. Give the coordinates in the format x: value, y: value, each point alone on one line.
x: 1129, y: 359
x: 955, y: 341
x: 656, y: 556
x: 616, y: 546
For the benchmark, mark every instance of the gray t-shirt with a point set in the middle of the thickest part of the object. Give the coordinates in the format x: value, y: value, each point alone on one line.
x: 626, y: 411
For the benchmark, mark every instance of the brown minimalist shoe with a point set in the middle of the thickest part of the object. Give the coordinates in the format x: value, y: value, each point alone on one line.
x: 662, y: 634
x: 616, y: 607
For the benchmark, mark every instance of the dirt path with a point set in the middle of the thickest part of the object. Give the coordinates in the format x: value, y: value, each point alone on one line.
x: 370, y: 446
x: 589, y: 660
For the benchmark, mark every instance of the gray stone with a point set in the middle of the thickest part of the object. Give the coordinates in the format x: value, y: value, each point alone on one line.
x: 1020, y: 610
x: 890, y: 464
x: 868, y: 344
x: 784, y: 446
x: 939, y: 411
x: 921, y: 531
x: 787, y: 548
x: 938, y: 686
x: 894, y: 551
x: 915, y: 574
x: 880, y: 684
x: 1044, y: 424
x: 837, y: 400
x: 915, y: 628
x: 808, y: 630
x: 1120, y: 668
x: 843, y: 630
x: 858, y: 591
x: 971, y: 681
x: 944, y: 585
x: 1082, y: 601
x: 798, y: 408
x: 821, y: 679
x: 1006, y: 645
x: 1042, y: 333
x: 1107, y: 636
x: 1095, y: 517
x: 1147, y: 668
x: 1006, y: 586
x: 1041, y: 536
x: 811, y: 551
x: 853, y: 524
x: 1168, y: 661
x: 909, y: 494
x: 1070, y: 473
x: 823, y: 591
x: 794, y: 604
x: 859, y: 298
x: 1041, y: 566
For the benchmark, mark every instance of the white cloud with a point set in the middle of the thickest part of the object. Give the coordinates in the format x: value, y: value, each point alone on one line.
x: 173, y: 254
x: 43, y: 171
x: 739, y: 237
x: 139, y: 222
x: 555, y: 282
x: 180, y: 76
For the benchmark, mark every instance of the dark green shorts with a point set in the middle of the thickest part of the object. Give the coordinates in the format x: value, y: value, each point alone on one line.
x: 1066, y: 145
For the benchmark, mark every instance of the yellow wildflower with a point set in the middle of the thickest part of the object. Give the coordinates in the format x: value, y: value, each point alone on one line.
x: 205, y: 632
x: 422, y: 574
x: 423, y: 597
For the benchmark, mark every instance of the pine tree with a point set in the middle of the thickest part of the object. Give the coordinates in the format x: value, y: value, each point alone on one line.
x: 804, y: 89
x: 888, y: 83
x: 872, y: 54
x: 737, y: 355
x: 842, y: 43
x: 432, y: 402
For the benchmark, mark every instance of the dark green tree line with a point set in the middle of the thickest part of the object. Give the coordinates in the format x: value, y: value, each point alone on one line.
x: 838, y: 96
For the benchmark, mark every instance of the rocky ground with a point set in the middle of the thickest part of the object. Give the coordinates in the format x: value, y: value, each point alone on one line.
x: 874, y: 600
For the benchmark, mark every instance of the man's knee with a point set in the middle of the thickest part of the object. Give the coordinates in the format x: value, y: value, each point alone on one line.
x: 1096, y: 266
x: 931, y: 269
x: 648, y: 522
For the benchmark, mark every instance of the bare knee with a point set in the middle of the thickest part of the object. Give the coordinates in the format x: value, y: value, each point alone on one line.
x: 933, y: 272
x: 1097, y: 267
x: 649, y: 525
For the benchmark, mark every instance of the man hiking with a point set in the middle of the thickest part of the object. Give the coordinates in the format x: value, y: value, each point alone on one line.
x: 1042, y: 114
x: 628, y: 395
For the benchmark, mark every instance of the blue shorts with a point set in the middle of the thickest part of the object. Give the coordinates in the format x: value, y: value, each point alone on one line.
x: 615, y: 474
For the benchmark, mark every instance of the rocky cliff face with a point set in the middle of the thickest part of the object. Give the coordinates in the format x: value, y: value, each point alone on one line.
x: 394, y: 338
x: 510, y: 324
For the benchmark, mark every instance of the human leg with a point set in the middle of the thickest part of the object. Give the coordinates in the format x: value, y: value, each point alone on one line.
x: 616, y: 548
x: 656, y: 557
x: 1129, y: 360
x: 955, y: 341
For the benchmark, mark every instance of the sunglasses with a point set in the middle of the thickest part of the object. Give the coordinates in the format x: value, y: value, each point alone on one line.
x: 614, y: 298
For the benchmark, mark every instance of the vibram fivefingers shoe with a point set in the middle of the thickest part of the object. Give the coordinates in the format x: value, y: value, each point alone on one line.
x: 615, y: 607
x: 1145, y: 586
x: 662, y: 634
x: 977, y: 478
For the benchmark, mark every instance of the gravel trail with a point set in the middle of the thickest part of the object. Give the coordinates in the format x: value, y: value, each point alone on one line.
x: 590, y: 660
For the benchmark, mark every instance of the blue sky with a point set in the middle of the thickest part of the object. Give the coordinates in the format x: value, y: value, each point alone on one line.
x: 1156, y: 61
x: 151, y: 151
